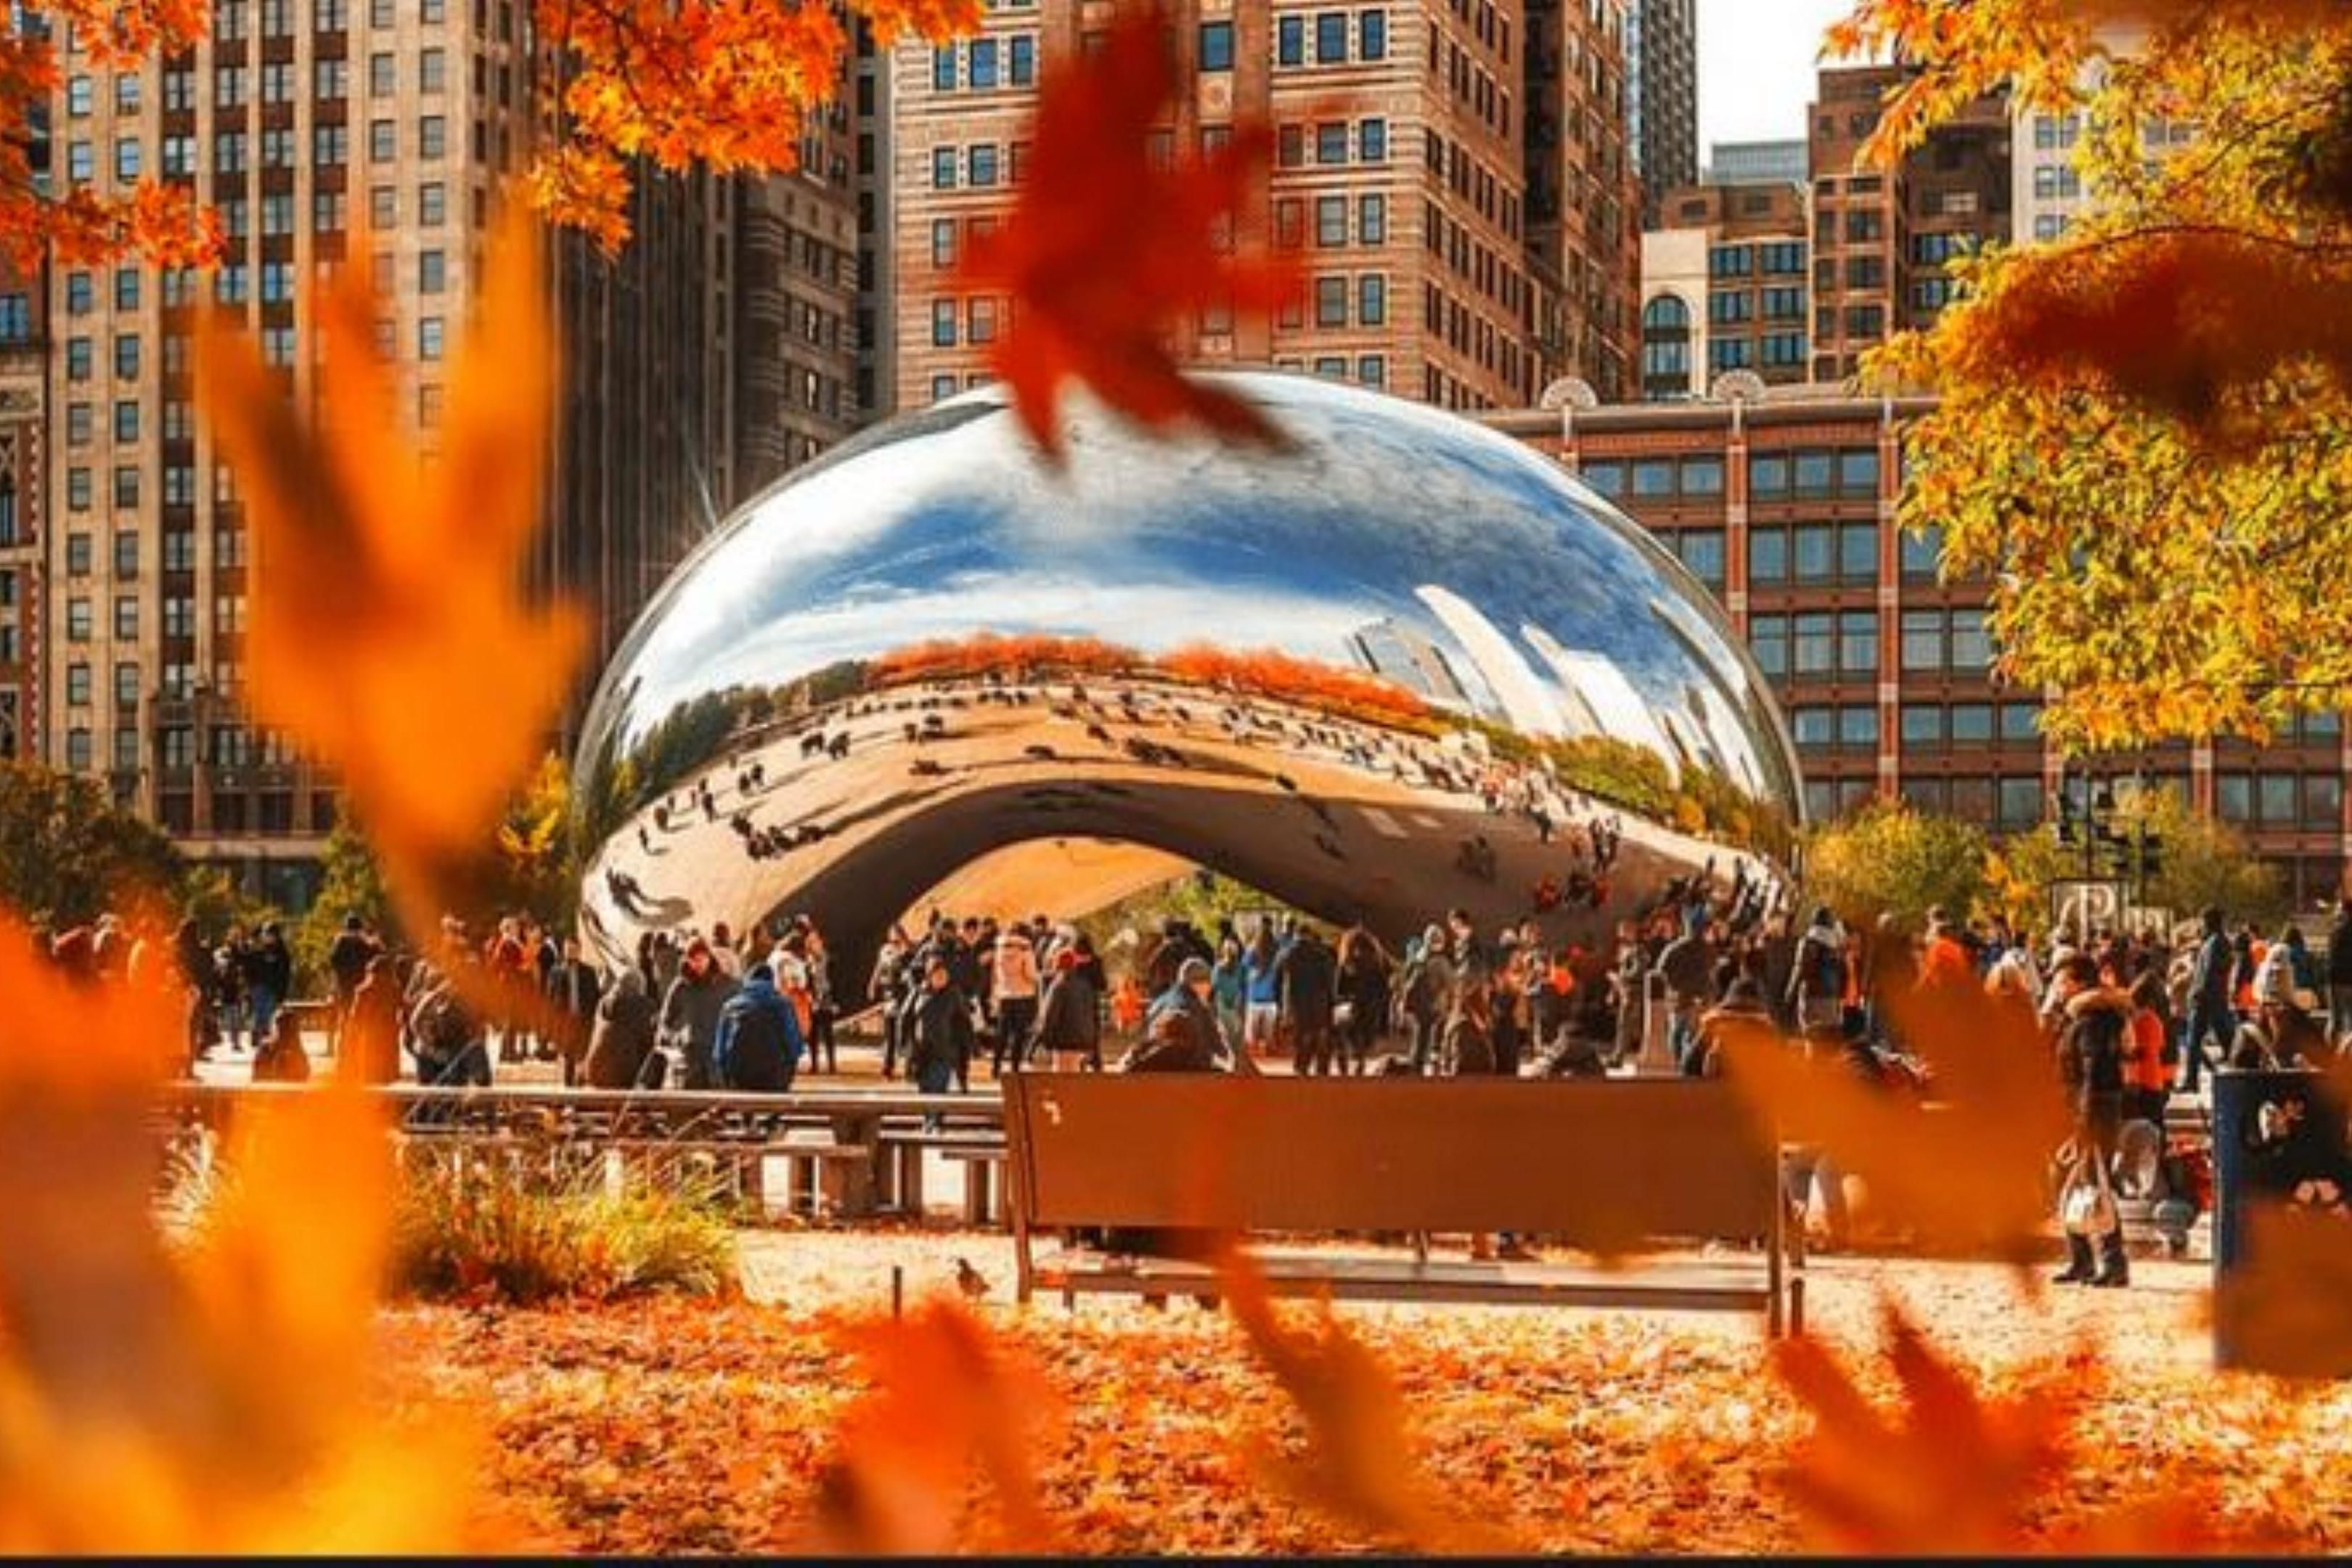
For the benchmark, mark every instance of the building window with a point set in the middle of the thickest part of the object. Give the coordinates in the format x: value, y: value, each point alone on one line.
x: 1858, y: 729
x: 1330, y: 302
x: 1701, y: 476
x: 126, y: 420
x: 1971, y: 643
x: 2021, y: 722
x: 1816, y: 644
x: 1701, y: 549
x: 1857, y: 642
x: 1814, y: 729
x: 1923, y: 725
x: 983, y: 165
x: 1216, y: 46
x: 1768, y: 639
x: 1372, y: 370
x: 1922, y: 640
x: 1330, y: 220
x: 943, y: 168
x: 1372, y: 220
x: 981, y: 321
x: 432, y: 272
x: 126, y: 616
x: 126, y: 489
x: 1372, y: 140
x: 943, y: 323
x: 1814, y: 543
x: 1290, y: 41
x: 1604, y: 479
x: 428, y: 338
x: 1373, y: 300
x: 432, y: 71
x: 1653, y: 478
x: 1331, y: 39
x: 1768, y: 555
x: 1331, y: 143
x: 77, y: 749
x: 383, y: 75
x: 1020, y: 59
x: 1858, y: 552
x: 1371, y: 35
x: 1922, y: 550
x: 384, y: 142
x: 1767, y: 475
x: 431, y: 136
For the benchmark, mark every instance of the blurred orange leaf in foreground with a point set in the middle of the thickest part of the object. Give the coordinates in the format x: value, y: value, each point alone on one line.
x: 944, y: 1396
x: 1969, y: 1176
x: 394, y: 640
x: 1360, y: 1466
x: 1952, y: 1473
x: 205, y: 1389
x: 2290, y: 1307
x: 1109, y: 251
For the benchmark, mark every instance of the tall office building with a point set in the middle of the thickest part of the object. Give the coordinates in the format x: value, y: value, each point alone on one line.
x: 1458, y: 176
x: 1883, y: 239
x: 876, y: 313
x: 300, y: 125
x: 23, y: 451
x: 2047, y: 188
x: 1662, y: 97
x: 1725, y: 283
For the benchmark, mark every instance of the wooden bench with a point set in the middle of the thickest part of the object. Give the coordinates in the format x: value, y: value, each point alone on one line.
x: 1663, y: 1163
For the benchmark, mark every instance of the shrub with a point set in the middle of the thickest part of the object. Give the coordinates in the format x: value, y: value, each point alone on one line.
x: 480, y: 1232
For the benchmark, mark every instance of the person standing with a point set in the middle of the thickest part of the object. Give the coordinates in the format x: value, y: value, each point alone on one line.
x: 1307, y: 991
x: 2095, y: 1039
x: 575, y: 992
x: 689, y: 1014
x: 347, y: 962
x: 1069, y: 1030
x: 1228, y: 986
x: 759, y: 1041
x: 1687, y: 963
x: 1364, y: 991
x: 938, y: 1033
x: 2339, y: 973
x: 2210, y: 1015
x: 1014, y: 968
x: 369, y: 1050
x: 268, y: 978
x: 1261, y: 992
x: 1816, y: 979
x: 621, y: 1053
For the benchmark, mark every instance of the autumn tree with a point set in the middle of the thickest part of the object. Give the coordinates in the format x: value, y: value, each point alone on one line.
x: 67, y: 853
x: 2145, y: 434
x: 1889, y: 860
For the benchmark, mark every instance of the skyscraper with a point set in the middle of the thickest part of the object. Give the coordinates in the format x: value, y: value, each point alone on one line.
x: 1458, y: 175
x: 1662, y: 97
x: 1882, y: 239
x: 24, y: 449
x: 300, y: 125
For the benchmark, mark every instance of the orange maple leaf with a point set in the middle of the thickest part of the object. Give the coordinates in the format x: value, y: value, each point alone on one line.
x: 2288, y: 1309
x: 944, y: 1395
x: 1358, y: 1465
x: 1969, y: 1173
x: 1106, y: 252
x: 201, y: 1388
x: 393, y: 641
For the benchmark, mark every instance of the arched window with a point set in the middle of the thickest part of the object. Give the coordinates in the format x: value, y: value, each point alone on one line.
x: 1665, y: 348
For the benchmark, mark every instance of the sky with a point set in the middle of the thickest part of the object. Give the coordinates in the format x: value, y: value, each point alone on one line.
x: 1755, y: 64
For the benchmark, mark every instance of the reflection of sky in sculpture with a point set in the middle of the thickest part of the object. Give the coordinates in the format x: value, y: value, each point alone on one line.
x: 943, y: 525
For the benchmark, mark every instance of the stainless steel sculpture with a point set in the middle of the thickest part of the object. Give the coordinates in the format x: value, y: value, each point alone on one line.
x: 1319, y: 669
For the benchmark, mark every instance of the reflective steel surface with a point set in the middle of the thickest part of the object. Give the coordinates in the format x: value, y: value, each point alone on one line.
x: 1307, y: 669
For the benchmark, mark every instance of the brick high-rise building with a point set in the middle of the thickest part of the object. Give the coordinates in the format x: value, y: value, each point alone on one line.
x: 1458, y: 175
x: 23, y: 451
x: 1882, y: 238
x: 1724, y: 289
x: 1662, y: 91
x: 302, y: 124
x: 1784, y: 504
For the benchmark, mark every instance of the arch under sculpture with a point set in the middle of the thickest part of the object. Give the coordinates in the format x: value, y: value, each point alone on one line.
x: 1309, y: 667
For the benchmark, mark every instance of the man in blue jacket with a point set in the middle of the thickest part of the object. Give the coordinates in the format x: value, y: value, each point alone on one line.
x: 2209, y: 1013
x: 759, y: 1043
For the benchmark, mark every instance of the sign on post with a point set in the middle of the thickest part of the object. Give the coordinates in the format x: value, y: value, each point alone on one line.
x: 2080, y: 907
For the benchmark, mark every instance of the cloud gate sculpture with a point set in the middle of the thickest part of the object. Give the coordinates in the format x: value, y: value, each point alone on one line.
x: 1368, y: 674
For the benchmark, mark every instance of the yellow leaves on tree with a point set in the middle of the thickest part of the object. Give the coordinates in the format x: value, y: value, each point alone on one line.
x: 944, y: 1397
x: 202, y: 1392
x: 1969, y: 1175
x: 1951, y: 1474
x: 394, y: 640
x: 1109, y: 251
x: 733, y: 84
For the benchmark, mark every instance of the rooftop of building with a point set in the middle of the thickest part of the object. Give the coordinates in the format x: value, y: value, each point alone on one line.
x: 1737, y: 396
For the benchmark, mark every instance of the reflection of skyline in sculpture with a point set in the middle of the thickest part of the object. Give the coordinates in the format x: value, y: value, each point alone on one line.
x: 1197, y: 631
x: 1399, y: 653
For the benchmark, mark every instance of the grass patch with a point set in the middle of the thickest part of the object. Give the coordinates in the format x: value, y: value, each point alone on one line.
x: 473, y: 1233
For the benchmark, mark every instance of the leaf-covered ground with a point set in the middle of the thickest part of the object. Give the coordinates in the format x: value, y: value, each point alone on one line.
x: 677, y: 1425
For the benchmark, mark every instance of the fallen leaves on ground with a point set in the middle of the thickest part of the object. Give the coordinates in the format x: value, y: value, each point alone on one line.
x: 1109, y: 251
x: 672, y: 1424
